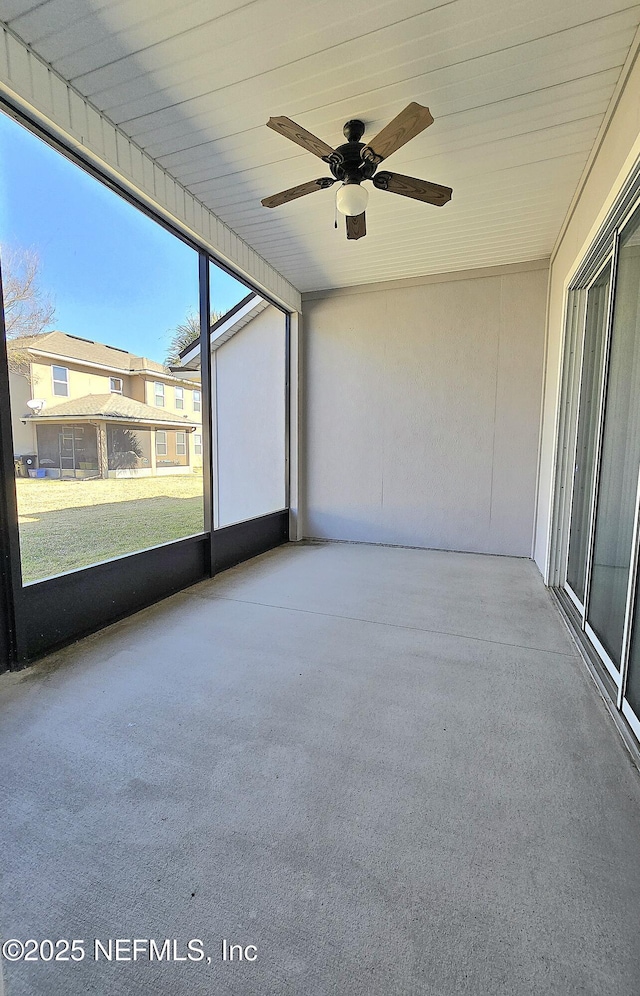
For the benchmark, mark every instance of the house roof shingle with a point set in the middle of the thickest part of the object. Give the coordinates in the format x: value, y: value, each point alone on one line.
x: 74, y: 348
x: 110, y: 406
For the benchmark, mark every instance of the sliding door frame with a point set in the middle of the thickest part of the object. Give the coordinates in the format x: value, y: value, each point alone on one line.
x: 604, y: 250
x: 602, y: 390
x: 602, y: 401
x: 582, y: 608
x: 578, y: 302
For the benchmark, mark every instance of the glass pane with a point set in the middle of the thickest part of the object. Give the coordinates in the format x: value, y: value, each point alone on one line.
x: 105, y: 459
x: 620, y: 455
x: 249, y: 378
x: 587, y: 428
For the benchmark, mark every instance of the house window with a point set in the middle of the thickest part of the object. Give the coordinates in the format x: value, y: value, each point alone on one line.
x: 181, y: 443
x: 159, y: 395
x: 115, y: 385
x: 197, y: 444
x: 60, y: 381
x: 161, y: 442
x: 196, y: 401
x: 179, y: 397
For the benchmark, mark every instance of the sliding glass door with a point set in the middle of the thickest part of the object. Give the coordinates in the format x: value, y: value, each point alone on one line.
x: 601, y: 571
x: 618, y: 483
x: 629, y: 316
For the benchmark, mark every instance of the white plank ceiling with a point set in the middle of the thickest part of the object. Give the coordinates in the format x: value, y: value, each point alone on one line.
x: 518, y: 91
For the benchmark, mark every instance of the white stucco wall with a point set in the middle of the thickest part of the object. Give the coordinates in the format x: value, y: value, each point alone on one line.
x: 248, y: 372
x: 422, y: 410
x: 617, y: 151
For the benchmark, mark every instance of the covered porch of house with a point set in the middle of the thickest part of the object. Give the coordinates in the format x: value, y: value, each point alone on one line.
x: 90, y: 446
x: 364, y: 707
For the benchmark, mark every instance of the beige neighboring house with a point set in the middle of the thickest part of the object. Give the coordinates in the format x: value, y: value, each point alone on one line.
x: 85, y: 409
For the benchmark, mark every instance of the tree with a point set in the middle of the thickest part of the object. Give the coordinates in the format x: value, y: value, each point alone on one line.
x: 28, y: 311
x: 124, y: 449
x: 186, y: 333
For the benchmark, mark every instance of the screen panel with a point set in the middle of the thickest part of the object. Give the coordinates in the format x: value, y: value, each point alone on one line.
x: 99, y: 300
x: 249, y: 375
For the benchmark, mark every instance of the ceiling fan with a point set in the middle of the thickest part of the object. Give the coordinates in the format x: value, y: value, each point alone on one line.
x: 357, y: 161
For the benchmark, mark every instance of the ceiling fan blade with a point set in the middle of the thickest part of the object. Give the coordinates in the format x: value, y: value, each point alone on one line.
x: 356, y: 226
x: 405, y: 126
x: 411, y: 186
x: 294, y: 132
x: 303, y: 188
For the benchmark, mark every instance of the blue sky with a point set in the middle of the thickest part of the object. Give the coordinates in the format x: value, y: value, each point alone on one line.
x: 114, y: 275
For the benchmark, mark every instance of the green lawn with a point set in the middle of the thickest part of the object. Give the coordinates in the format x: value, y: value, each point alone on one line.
x: 70, y: 524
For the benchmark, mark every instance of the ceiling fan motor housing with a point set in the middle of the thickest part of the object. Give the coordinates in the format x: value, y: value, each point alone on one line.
x: 347, y: 163
x: 353, y: 130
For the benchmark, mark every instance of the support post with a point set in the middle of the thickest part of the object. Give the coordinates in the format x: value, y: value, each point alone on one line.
x: 206, y: 403
x: 103, y: 453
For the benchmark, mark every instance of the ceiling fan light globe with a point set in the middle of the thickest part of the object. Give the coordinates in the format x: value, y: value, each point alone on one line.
x: 351, y: 199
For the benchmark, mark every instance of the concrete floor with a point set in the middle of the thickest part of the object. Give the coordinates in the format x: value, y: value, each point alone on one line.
x: 385, y: 768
